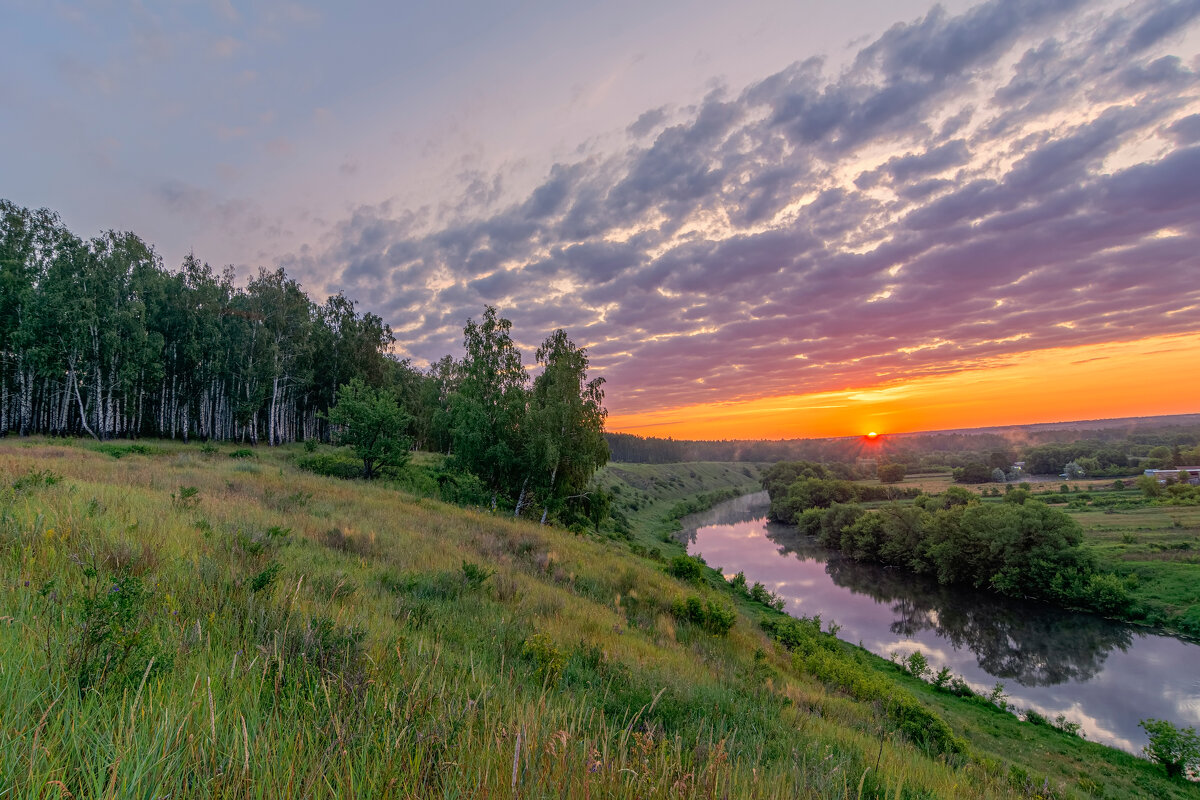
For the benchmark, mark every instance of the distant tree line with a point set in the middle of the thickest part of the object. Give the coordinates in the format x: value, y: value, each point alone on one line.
x: 98, y: 338
x: 973, y: 457
x: 630, y: 448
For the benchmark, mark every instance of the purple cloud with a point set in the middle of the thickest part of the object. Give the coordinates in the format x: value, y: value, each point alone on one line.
x: 1019, y: 176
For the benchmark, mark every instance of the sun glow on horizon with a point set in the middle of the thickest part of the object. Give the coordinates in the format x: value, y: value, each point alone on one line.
x: 1121, y: 379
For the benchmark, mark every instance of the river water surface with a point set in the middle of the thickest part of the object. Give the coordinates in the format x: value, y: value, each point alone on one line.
x: 1102, y: 674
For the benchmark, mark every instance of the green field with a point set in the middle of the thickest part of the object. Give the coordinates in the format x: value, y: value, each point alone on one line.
x: 178, y: 622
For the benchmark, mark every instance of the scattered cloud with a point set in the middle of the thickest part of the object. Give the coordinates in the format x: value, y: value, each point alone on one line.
x: 948, y: 199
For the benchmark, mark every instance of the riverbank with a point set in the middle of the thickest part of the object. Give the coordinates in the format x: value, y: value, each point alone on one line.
x: 1104, y: 675
x: 1133, y: 557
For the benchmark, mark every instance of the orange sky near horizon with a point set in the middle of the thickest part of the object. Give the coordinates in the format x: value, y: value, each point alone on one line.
x: 1148, y: 377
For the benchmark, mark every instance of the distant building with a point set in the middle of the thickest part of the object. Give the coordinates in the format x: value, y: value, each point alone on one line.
x: 1163, y: 475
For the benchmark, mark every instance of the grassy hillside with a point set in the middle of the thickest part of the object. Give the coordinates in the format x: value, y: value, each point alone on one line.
x: 650, y: 499
x: 179, y: 622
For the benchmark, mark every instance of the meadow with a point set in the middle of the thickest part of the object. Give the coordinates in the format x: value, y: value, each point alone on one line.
x: 210, y: 621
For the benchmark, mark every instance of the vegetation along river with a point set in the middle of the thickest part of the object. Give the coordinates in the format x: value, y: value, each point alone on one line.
x: 1104, y: 675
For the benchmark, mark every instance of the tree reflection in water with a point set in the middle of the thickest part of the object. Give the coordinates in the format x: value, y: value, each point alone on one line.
x: 1033, y: 644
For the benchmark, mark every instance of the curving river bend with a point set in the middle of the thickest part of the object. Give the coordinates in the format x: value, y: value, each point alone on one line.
x: 1102, y: 674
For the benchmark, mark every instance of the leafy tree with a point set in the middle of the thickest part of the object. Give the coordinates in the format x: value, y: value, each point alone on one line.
x: 370, y: 421
x: 1074, y: 471
x: 891, y: 473
x: 488, y: 408
x: 1000, y: 459
x: 1177, y: 749
x: 998, y: 476
x: 974, y: 472
x: 564, y: 428
x: 1149, y: 485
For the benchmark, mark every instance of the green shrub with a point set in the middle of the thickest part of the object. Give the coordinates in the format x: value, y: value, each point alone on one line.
x: 331, y: 465
x: 120, y: 450
x: 265, y: 578
x: 114, y: 646
x: 759, y: 594
x: 549, y: 661
x: 35, y: 479
x: 462, y: 488
x: 714, y: 618
x: 686, y: 568
x: 1177, y: 749
x: 186, y: 498
x: 474, y: 575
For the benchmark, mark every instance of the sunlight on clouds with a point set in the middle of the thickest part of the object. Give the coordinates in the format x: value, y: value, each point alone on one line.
x: 1040, y: 386
x: 916, y: 348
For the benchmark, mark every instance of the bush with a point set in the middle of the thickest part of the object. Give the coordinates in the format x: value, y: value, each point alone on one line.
x: 474, y: 575
x: 331, y: 465
x: 114, y: 646
x: 714, y: 618
x: 549, y: 661
x: 35, y: 479
x: 187, y: 497
x: 1177, y: 749
x: 759, y: 594
x: 120, y: 450
x: 686, y: 568
x: 462, y: 488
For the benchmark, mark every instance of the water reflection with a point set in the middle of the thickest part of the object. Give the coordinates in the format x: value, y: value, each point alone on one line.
x: 1033, y: 644
x: 1105, y: 675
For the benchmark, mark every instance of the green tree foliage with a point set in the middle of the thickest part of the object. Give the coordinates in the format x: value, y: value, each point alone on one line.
x: 974, y: 472
x: 564, y: 427
x: 891, y: 473
x: 371, y: 422
x: 99, y: 338
x: 796, y: 486
x: 488, y: 409
x: 1021, y: 547
x: 1177, y: 749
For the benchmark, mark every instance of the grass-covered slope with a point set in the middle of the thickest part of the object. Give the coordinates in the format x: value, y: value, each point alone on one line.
x: 650, y: 499
x: 180, y: 623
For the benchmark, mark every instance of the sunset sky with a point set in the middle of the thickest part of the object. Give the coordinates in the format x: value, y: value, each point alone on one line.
x: 763, y: 219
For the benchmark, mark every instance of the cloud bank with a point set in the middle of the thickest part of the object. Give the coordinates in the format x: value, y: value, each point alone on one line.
x: 1021, y: 176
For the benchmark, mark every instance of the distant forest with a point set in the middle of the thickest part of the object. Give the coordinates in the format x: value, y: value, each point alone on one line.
x: 1145, y: 443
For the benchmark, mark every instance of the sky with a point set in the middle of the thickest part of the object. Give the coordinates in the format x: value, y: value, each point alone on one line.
x: 763, y: 219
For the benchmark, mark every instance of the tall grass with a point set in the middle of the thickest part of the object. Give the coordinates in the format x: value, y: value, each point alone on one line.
x: 285, y: 635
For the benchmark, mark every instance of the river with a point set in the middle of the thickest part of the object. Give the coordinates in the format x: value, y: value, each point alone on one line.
x: 1104, y: 675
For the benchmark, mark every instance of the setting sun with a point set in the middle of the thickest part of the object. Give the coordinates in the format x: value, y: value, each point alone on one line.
x: 872, y: 435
